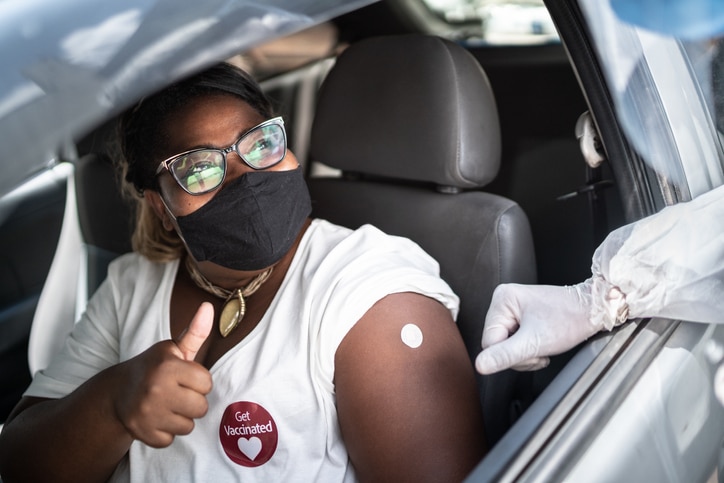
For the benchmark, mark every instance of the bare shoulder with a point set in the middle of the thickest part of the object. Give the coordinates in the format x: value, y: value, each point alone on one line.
x: 406, y: 393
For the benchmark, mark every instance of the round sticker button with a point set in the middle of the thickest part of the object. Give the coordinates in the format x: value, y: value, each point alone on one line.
x: 248, y: 434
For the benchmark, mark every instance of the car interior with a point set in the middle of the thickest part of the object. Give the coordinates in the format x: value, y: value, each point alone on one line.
x: 469, y: 150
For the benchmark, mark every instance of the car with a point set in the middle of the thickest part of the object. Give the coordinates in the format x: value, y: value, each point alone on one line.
x: 587, y: 119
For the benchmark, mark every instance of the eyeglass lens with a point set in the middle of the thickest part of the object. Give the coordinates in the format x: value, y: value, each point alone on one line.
x: 203, y: 170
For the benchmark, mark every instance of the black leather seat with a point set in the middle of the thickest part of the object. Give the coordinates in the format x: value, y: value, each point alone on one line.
x: 411, y: 122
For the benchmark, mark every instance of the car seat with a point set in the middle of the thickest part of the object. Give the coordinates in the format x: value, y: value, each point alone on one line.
x: 96, y: 229
x: 411, y: 122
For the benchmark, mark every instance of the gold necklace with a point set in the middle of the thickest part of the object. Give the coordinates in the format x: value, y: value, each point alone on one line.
x: 235, y: 305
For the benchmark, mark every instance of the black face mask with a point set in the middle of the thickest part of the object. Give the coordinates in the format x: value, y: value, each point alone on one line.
x: 251, y: 223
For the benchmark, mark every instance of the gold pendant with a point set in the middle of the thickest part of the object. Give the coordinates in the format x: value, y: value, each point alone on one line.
x: 232, y: 313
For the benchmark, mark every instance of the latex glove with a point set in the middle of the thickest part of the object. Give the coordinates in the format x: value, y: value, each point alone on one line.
x: 544, y: 320
x: 669, y: 265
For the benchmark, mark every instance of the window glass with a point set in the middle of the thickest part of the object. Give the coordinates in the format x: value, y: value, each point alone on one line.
x: 497, y: 22
x: 664, y: 97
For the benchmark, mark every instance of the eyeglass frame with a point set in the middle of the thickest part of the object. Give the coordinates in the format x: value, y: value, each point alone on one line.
x: 224, y: 151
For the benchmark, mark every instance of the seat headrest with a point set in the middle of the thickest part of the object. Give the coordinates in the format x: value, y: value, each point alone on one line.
x: 414, y: 107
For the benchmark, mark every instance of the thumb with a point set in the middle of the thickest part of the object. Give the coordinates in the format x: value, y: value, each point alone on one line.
x: 191, y: 339
x: 518, y: 351
x: 493, y: 359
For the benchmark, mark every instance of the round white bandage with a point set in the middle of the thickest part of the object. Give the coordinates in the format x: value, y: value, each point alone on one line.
x: 411, y: 335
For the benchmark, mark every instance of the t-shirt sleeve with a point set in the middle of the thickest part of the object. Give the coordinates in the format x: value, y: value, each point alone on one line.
x: 361, y: 270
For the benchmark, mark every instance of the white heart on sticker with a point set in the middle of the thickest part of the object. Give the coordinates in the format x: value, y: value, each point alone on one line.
x: 250, y: 447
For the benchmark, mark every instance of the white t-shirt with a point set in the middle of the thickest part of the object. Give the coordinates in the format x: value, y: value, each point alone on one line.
x: 272, y: 413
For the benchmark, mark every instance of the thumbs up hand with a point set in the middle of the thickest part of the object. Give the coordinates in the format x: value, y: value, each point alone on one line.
x: 191, y: 339
x: 163, y: 390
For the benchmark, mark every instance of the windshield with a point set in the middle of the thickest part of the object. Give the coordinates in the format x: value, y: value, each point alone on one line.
x: 668, y: 96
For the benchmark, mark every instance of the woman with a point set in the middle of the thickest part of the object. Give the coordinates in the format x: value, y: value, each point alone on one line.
x: 242, y: 340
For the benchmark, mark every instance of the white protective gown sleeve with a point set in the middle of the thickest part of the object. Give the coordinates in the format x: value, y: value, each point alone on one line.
x: 669, y: 265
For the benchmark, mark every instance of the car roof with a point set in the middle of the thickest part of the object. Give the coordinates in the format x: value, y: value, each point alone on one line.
x: 67, y: 66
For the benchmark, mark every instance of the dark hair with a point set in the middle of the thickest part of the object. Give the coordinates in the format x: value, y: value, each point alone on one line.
x: 141, y: 129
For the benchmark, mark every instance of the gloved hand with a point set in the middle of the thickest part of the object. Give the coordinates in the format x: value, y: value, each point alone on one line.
x: 544, y: 320
x: 669, y: 265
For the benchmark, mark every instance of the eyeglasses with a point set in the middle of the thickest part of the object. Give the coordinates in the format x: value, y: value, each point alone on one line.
x: 199, y: 171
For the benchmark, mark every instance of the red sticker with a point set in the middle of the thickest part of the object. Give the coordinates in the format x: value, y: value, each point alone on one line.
x: 248, y: 434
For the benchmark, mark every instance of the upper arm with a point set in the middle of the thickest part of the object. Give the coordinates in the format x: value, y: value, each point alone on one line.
x: 24, y: 403
x: 408, y: 413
